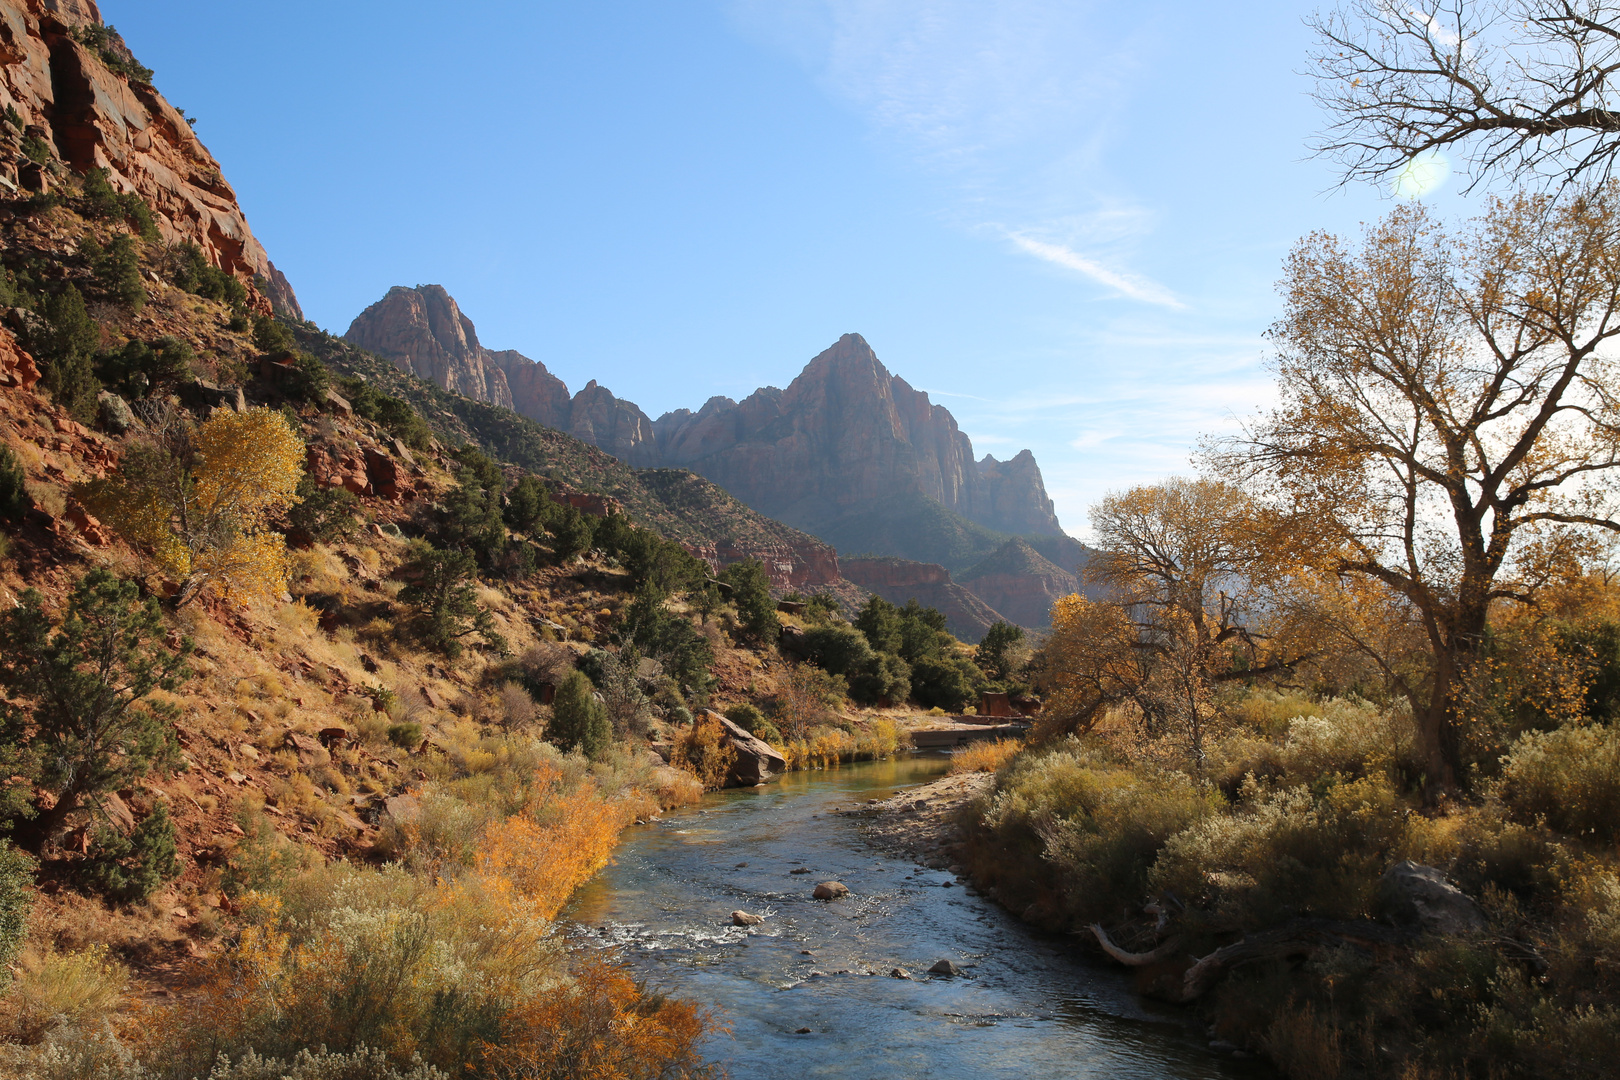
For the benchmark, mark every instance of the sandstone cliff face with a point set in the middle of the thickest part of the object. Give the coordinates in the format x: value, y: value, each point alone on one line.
x: 900, y: 580
x: 847, y: 433
x: 92, y: 116
x: 1018, y: 582
x: 424, y: 332
x: 614, y: 425
x: 536, y: 392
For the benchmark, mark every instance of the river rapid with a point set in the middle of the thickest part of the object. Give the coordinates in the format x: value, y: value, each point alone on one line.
x: 1027, y: 1006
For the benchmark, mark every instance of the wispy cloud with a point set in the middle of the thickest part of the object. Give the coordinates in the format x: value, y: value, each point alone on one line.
x: 1137, y: 288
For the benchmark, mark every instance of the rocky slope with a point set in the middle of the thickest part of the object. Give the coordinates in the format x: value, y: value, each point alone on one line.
x: 1018, y: 582
x: 900, y: 580
x: 91, y: 105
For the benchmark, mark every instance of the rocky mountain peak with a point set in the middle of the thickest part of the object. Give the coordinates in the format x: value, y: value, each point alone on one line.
x: 424, y: 331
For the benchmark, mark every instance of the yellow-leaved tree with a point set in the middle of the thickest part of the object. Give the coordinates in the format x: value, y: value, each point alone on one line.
x: 200, y: 498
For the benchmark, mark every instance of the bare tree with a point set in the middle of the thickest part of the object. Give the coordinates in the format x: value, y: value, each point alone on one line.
x: 1524, y: 85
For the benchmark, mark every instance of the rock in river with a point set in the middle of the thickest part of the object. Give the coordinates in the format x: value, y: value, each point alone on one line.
x: 945, y: 967
x: 742, y: 918
x: 831, y: 890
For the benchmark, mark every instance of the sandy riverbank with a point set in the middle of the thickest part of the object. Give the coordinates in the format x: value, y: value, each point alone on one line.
x: 921, y: 822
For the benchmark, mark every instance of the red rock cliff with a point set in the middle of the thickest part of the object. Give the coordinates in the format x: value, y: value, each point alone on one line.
x: 90, y: 115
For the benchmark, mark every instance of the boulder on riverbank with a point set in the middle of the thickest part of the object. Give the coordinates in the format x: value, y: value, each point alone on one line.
x: 757, y: 761
x: 1417, y: 896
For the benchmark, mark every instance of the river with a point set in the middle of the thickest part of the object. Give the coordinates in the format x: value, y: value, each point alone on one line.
x: 1027, y: 1007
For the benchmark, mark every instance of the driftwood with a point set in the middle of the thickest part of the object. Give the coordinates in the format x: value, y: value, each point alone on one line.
x: 1135, y: 959
x: 1301, y: 938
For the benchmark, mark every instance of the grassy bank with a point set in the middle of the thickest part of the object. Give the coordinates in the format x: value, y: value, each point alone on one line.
x: 1296, y: 813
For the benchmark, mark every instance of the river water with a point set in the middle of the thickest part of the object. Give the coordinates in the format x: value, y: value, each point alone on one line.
x: 1027, y: 1007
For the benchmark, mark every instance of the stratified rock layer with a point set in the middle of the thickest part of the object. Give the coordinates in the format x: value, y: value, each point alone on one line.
x: 91, y: 116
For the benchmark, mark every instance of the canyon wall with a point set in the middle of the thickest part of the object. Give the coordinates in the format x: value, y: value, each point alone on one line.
x: 69, y: 98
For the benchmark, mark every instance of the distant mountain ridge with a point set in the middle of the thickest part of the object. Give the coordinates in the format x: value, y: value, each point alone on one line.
x: 849, y: 452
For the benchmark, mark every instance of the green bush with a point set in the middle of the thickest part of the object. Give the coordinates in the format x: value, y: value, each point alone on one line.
x: 670, y: 638
x: 91, y: 724
x: 102, y: 202
x: 263, y: 860
x: 746, y: 716
x: 190, y: 270
x: 1291, y: 854
x: 1570, y: 778
x: 578, y: 721
x: 69, y: 339
x: 117, y: 269
x: 440, y: 591
x: 1097, y: 824
x: 947, y: 683
x: 571, y: 534
x: 995, y: 648
x: 751, y: 593
x: 37, y: 150
x: 133, y: 868
x: 872, y: 676
x: 139, y: 369
x: 751, y: 720
x: 406, y: 735
x: 322, y: 514
x: 16, y: 897
x: 271, y: 337
x: 14, y: 497
x: 528, y: 505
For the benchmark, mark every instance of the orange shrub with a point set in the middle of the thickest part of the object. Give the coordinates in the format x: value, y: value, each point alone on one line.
x: 704, y: 751
x: 553, y: 847
x: 603, y: 1026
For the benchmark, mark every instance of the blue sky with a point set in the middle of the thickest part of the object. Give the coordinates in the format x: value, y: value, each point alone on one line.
x: 1062, y: 219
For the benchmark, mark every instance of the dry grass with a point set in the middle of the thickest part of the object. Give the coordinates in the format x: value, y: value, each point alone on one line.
x: 984, y: 756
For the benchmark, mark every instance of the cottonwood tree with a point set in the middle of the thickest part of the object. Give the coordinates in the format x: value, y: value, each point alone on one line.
x: 1187, y: 569
x: 1448, y: 406
x: 200, y: 498
x: 1525, y: 85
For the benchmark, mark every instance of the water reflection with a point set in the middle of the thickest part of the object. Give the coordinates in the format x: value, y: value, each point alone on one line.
x: 1025, y: 1008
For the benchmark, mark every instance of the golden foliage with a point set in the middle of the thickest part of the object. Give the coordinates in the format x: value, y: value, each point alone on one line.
x: 543, y: 854
x: 602, y: 1026
x: 201, y: 500
x: 1447, y: 419
x: 705, y: 751
x: 984, y: 756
